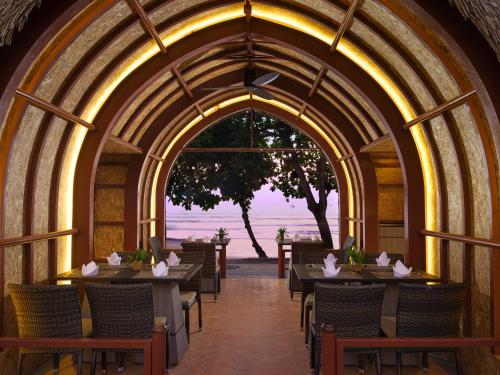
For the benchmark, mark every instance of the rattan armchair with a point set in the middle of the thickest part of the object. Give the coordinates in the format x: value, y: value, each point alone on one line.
x: 156, y: 250
x: 353, y: 310
x: 47, y: 311
x: 210, y: 267
x: 120, y: 311
x: 191, y: 291
x: 299, y: 247
x: 426, y: 311
x: 307, y: 300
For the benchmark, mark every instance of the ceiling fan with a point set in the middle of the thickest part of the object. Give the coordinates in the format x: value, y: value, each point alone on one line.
x: 252, y: 84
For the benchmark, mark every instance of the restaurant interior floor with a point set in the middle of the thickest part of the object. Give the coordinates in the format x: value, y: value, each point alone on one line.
x: 253, y: 329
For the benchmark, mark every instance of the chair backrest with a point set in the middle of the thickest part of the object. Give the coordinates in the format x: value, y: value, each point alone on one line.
x: 154, y: 243
x: 353, y: 310
x: 47, y: 310
x: 300, y: 247
x: 429, y: 310
x: 210, y: 261
x: 312, y: 257
x: 191, y: 257
x: 394, y: 257
x: 120, y: 310
x: 348, y: 242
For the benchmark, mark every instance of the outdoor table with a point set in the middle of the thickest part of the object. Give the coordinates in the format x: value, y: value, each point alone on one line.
x: 281, y: 255
x: 220, y: 246
x: 166, y: 295
x: 370, y: 273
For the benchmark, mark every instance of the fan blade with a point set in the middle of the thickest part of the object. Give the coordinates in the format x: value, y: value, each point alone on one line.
x: 221, y: 88
x: 265, y: 79
x: 264, y: 94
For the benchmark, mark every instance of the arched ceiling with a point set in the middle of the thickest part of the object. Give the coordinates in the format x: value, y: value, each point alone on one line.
x: 394, y: 63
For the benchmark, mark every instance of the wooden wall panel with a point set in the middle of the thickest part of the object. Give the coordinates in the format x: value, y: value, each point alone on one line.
x: 107, y: 238
x: 109, y: 205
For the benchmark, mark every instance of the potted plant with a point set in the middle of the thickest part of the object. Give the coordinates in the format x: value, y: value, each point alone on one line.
x: 221, y: 234
x: 281, y: 233
x: 356, y: 257
x: 139, y: 258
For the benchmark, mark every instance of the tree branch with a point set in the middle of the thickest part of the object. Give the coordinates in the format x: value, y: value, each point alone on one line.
x: 322, y: 183
x: 303, y: 183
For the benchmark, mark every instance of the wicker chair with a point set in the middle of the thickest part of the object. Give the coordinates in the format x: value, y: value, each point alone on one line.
x: 348, y: 242
x: 299, y: 247
x: 210, y: 267
x: 370, y: 257
x: 426, y: 311
x: 40, y: 314
x: 353, y: 310
x: 307, y: 300
x: 120, y: 311
x: 191, y: 291
x: 155, y: 244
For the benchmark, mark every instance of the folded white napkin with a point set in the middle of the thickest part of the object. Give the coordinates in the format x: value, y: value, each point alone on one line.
x: 173, y: 259
x: 189, y: 239
x: 114, y: 259
x: 315, y: 237
x: 383, y: 260
x: 400, y: 269
x: 296, y: 237
x: 330, y: 260
x: 207, y: 239
x: 90, y: 269
x: 330, y: 270
x: 160, y: 269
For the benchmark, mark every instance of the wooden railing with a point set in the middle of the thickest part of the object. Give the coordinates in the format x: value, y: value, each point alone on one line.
x: 36, y: 237
x: 333, y: 347
x: 460, y: 238
x: 155, y: 348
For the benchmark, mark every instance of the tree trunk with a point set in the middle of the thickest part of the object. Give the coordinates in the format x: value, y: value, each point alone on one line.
x: 244, y: 214
x: 324, y: 230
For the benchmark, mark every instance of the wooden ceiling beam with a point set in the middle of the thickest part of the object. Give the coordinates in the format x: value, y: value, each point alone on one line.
x: 182, y: 82
x: 156, y: 157
x: 249, y: 149
x: 317, y: 81
x: 49, y: 107
x: 302, y: 110
x: 450, y: 104
x: 200, y: 111
x: 346, y: 157
x: 137, y: 7
x: 129, y: 145
x: 368, y: 146
x: 344, y: 26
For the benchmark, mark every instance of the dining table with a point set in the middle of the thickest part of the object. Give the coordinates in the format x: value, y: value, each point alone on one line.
x: 309, y: 274
x: 166, y: 295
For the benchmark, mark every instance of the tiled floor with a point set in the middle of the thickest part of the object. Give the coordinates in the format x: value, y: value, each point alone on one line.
x: 253, y: 329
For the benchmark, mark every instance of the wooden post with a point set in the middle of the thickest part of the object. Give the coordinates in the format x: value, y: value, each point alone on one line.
x: 329, y: 348
x: 281, y: 261
x: 159, y: 350
x: 222, y: 260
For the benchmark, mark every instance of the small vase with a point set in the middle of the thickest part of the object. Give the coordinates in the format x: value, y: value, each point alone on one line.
x: 137, y: 265
x: 357, y: 267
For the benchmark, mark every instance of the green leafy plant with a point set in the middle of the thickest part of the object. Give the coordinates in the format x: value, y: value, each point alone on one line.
x: 356, y: 256
x: 140, y: 255
x: 281, y: 233
x: 221, y: 233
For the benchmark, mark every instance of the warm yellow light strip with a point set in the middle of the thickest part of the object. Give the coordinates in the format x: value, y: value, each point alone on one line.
x: 230, y: 102
x: 276, y: 15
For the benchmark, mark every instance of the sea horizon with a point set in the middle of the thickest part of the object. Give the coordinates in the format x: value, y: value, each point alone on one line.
x: 269, y: 211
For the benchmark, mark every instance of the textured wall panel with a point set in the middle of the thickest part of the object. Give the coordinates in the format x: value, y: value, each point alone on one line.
x: 109, y: 204
x: 107, y: 239
x: 111, y: 175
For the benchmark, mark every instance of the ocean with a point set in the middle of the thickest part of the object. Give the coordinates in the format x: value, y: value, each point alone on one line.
x: 268, y: 212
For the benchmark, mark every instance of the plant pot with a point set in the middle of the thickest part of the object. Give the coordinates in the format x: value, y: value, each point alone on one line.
x: 357, y: 267
x: 137, y: 265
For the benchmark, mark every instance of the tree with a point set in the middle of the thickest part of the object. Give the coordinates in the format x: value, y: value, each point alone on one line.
x: 206, y: 179
x: 297, y: 174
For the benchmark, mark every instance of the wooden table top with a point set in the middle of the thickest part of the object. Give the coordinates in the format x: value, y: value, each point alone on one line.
x: 370, y: 273
x: 125, y: 273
